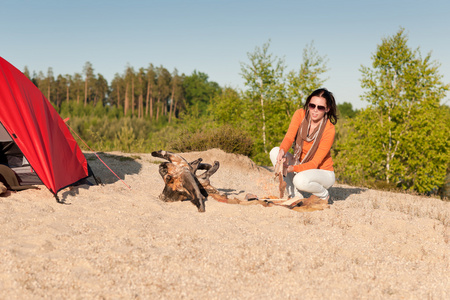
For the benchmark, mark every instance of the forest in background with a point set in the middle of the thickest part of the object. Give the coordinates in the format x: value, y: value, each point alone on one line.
x: 400, y: 141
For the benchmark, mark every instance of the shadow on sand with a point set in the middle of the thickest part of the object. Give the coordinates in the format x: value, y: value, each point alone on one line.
x: 337, y: 193
x: 342, y: 193
x: 230, y: 192
x: 119, y: 164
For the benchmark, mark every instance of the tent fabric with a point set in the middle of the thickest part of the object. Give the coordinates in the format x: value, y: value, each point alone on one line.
x: 39, y: 131
x: 4, y: 135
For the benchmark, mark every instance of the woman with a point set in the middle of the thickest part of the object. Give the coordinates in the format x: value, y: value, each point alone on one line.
x: 310, y: 169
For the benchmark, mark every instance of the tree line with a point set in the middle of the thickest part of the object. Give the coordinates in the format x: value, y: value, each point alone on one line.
x: 151, y: 93
x: 400, y: 140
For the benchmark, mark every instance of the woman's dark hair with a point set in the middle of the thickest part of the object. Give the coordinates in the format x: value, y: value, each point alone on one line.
x: 331, y: 103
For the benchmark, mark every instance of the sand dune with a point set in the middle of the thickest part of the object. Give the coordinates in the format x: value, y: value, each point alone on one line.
x: 110, y: 242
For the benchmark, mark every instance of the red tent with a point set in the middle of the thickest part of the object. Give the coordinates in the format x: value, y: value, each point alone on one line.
x: 38, y: 131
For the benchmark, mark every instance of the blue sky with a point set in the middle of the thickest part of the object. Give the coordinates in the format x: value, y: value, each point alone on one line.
x: 215, y: 36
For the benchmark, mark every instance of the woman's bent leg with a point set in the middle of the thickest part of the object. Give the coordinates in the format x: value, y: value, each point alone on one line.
x: 291, y: 190
x: 316, y: 182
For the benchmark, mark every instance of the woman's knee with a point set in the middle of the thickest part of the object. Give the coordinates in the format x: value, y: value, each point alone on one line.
x: 273, y: 154
x: 274, y: 151
x: 301, y: 181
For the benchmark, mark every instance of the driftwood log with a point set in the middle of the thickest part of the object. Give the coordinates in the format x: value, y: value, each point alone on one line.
x: 182, y: 182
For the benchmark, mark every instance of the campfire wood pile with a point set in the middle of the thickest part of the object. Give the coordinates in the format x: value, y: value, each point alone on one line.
x: 183, y: 183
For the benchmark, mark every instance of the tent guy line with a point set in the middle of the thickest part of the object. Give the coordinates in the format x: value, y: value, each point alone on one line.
x: 67, y: 119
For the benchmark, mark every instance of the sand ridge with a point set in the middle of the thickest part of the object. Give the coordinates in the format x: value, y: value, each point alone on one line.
x: 109, y: 242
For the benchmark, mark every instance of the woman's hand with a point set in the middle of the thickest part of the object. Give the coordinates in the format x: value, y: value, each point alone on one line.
x: 281, y: 158
x: 280, y: 155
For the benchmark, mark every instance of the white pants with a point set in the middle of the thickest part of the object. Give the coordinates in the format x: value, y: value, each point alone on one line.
x: 314, y: 181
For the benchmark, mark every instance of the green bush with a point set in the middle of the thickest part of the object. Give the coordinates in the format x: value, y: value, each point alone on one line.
x: 226, y: 137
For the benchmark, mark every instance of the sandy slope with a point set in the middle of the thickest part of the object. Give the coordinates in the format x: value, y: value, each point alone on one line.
x: 110, y: 242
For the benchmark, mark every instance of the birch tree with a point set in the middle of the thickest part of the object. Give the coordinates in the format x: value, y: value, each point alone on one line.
x: 308, y: 78
x: 263, y: 77
x: 398, y: 136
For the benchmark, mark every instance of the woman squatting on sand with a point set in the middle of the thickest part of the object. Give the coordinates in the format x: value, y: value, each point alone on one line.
x: 310, y: 168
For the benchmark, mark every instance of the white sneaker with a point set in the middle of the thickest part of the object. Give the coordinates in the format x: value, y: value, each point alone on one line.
x: 292, y: 200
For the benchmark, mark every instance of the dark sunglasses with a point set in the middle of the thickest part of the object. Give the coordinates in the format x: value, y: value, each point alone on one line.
x: 319, y: 107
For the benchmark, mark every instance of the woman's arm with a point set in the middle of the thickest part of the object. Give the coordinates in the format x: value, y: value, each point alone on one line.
x: 292, y: 130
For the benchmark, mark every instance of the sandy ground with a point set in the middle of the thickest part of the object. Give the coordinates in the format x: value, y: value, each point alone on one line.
x: 110, y: 242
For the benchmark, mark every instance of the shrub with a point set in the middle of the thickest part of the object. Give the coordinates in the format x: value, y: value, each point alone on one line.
x: 226, y: 137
